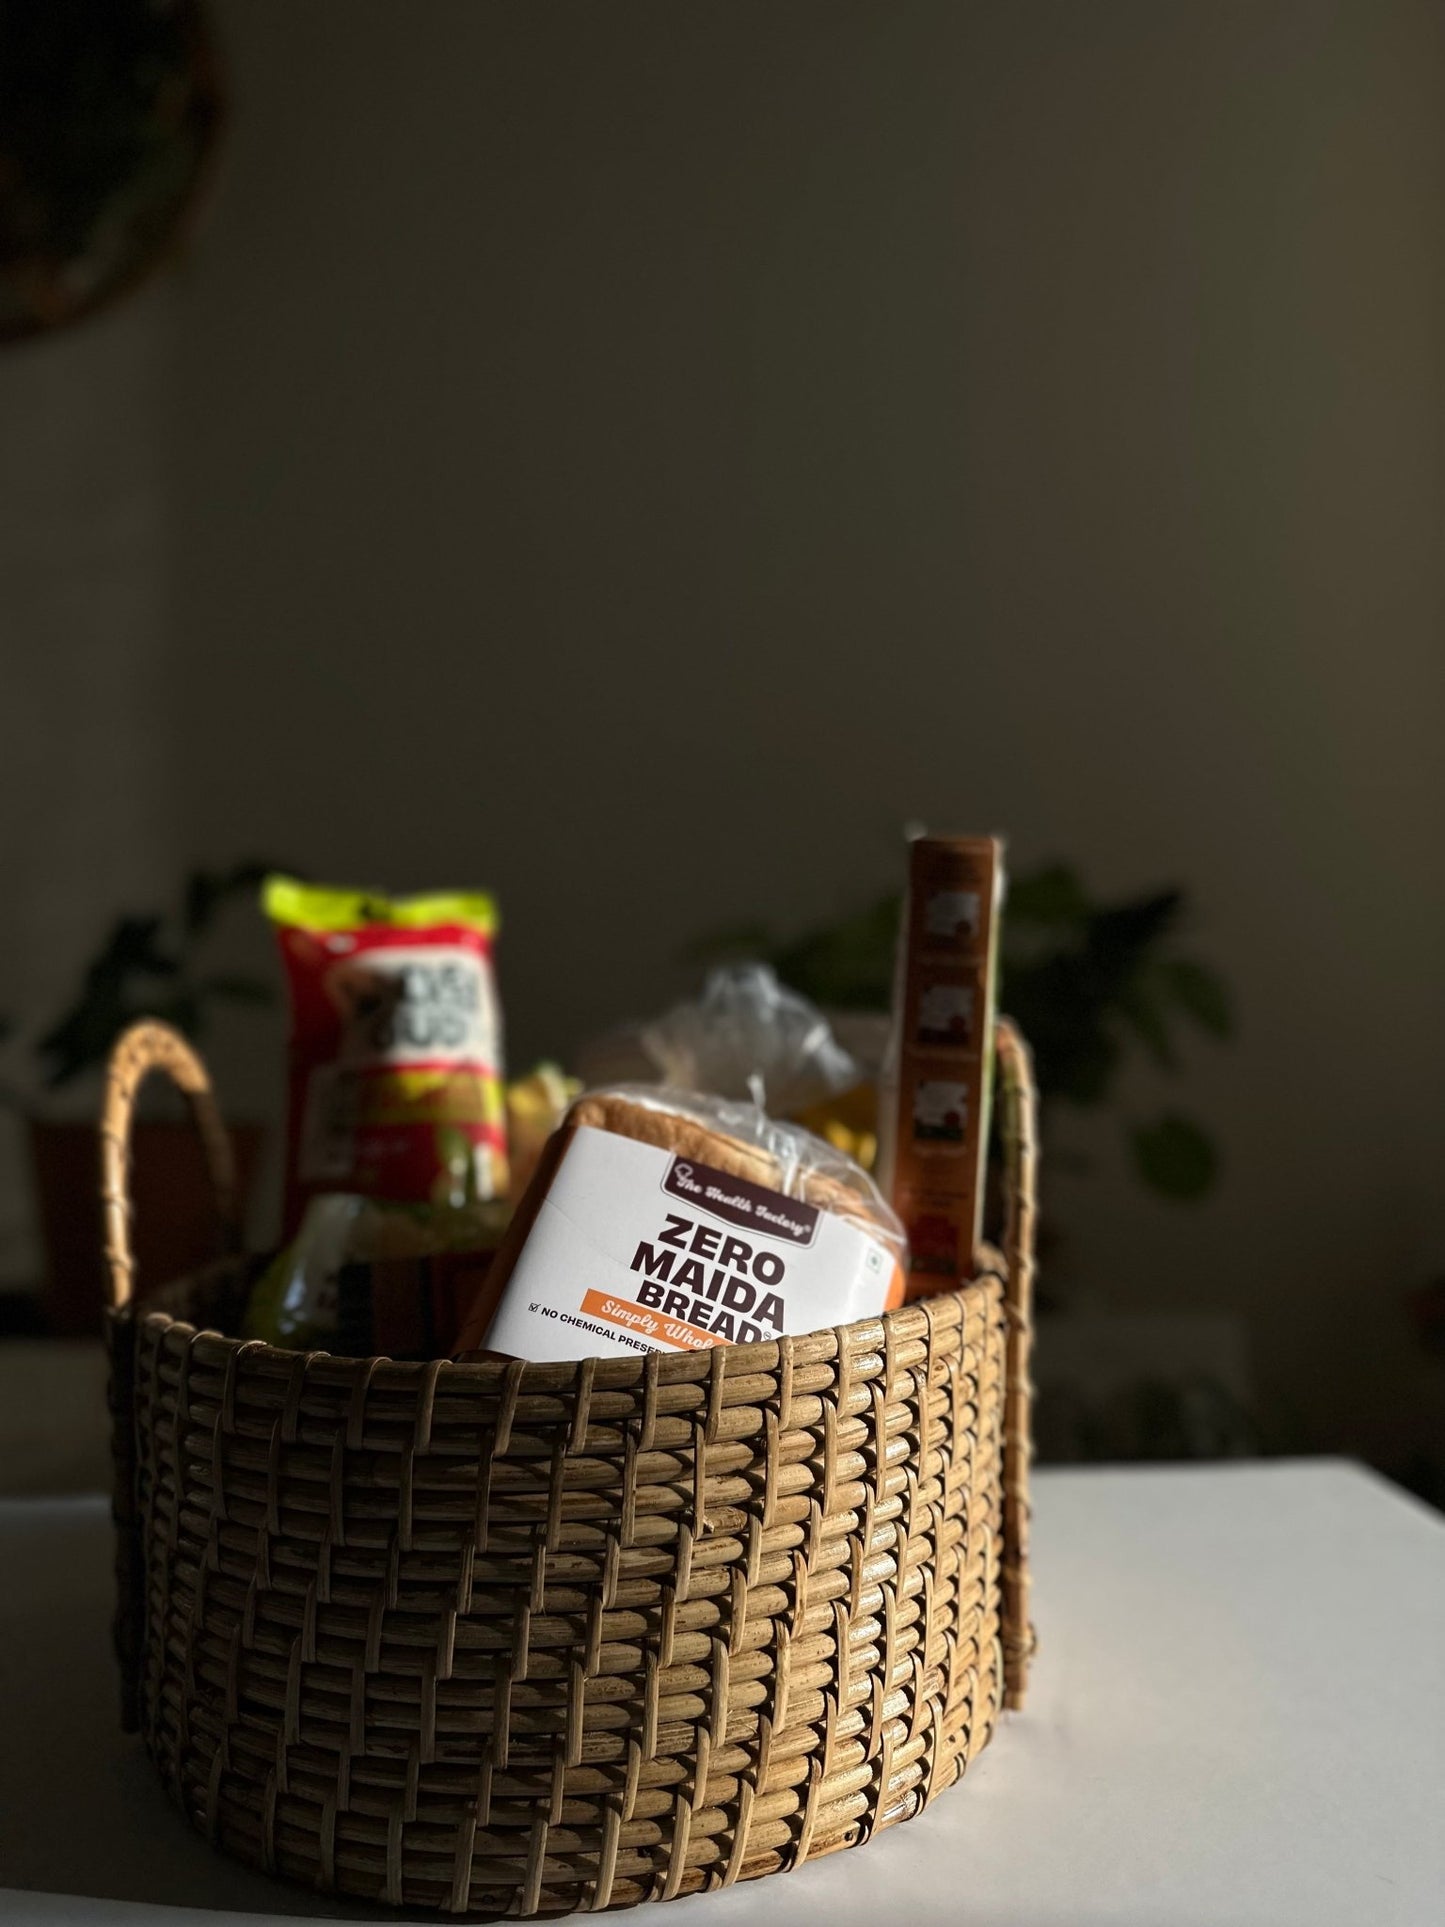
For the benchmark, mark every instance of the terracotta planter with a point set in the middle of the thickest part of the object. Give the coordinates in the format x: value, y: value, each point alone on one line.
x: 175, y: 1218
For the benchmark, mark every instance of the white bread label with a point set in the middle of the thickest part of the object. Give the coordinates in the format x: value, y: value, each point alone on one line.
x: 635, y: 1250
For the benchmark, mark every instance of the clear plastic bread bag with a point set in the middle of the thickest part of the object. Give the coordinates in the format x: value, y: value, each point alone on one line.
x: 748, y: 1035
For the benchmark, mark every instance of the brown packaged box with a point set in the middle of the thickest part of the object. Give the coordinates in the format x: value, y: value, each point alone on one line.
x: 934, y: 1115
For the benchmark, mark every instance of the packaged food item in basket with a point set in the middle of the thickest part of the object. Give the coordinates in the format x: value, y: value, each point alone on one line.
x: 536, y: 1105
x: 395, y: 1059
x: 934, y: 1105
x: 412, y: 1275
x: 293, y: 1302
x: 362, y: 1275
x: 663, y: 1220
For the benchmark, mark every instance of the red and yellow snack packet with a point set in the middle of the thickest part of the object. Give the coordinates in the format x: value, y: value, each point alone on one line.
x: 395, y: 1059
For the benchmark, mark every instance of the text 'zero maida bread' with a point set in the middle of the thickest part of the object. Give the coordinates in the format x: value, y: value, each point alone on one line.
x: 660, y: 1220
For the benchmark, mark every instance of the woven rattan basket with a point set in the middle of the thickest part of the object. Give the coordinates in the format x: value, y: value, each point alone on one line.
x: 528, y: 1638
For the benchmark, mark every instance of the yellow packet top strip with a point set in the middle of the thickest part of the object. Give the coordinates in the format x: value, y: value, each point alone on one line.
x: 321, y: 906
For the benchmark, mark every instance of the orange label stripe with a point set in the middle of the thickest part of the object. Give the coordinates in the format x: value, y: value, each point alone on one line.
x: 648, y: 1323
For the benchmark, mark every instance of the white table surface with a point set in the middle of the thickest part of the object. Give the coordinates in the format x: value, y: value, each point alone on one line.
x: 1238, y: 1715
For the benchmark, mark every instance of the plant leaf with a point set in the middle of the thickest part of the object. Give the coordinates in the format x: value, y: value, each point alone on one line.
x: 199, y: 898
x: 1056, y: 1001
x: 1175, y: 1157
x: 848, y: 966
x: 1146, y: 1020
x: 1125, y: 932
x: 1201, y: 992
x: 1051, y: 894
x: 207, y: 891
x: 845, y: 966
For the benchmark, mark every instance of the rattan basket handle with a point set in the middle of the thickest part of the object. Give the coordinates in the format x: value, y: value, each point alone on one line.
x: 1018, y: 1105
x: 146, y: 1047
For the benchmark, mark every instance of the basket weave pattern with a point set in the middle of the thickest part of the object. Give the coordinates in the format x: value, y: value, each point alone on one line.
x: 527, y: 1638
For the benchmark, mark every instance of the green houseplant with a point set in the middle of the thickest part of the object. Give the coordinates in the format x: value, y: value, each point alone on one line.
x: 1095, y: 984
x: 1091, y: 982
x: 151, y: 965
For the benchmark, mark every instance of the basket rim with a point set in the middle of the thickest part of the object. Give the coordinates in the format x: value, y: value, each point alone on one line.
x: 904, y: 1324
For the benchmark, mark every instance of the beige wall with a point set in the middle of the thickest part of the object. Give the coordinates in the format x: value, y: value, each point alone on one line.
x: 638, y: 455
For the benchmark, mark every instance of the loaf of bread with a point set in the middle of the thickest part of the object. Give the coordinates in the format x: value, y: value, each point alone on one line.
x: 731, y: 1138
